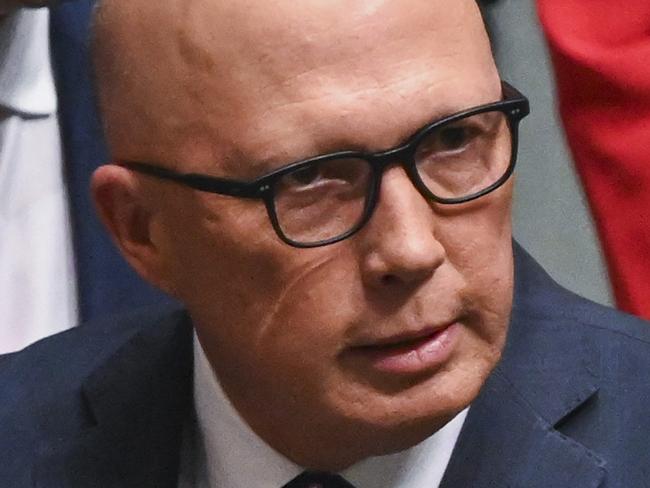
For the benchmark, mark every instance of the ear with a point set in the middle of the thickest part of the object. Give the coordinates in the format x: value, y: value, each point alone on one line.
x: 128, y: 211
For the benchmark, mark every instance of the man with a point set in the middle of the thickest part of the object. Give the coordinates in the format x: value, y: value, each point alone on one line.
x: 45, y: 208
x: 38, y: 290
x: 349, y: 306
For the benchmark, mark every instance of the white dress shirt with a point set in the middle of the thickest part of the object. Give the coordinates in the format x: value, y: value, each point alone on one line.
x: 222, y: 451
x: 37, y: 279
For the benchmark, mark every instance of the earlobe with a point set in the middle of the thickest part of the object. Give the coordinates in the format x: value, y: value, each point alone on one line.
x: 128, y: 213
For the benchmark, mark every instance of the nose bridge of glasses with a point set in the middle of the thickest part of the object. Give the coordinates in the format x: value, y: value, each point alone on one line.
x: 400, y: 156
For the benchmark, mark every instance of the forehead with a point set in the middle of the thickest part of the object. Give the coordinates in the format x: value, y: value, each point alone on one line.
x: 265, y: 83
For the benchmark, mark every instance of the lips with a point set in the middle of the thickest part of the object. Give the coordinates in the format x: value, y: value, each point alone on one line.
x: 409, y: 353
x: 404, y: 339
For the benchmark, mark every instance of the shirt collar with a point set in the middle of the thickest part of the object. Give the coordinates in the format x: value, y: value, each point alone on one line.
x: 231, y: 455
x: 26, y: 79
x: 421, y: 466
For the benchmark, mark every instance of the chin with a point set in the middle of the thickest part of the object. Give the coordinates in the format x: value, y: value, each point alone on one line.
x: 412, y: 433
x: 390, y: 425
x: 403, y: 434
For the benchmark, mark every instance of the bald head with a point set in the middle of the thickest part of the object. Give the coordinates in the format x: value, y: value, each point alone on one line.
x: 196, y: 80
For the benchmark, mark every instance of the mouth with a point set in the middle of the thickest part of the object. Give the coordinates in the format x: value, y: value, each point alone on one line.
x: 409, y: 353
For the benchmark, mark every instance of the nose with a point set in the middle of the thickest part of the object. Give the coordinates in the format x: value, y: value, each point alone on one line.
x: 399, y: 243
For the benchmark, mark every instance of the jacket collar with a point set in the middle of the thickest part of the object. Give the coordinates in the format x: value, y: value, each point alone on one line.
x: 137, y: 403
x: 26, y: 80
x: 511, y: 437
x: 139, y: 399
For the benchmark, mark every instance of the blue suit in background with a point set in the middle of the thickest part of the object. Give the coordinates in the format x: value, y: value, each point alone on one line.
x: 106, y: 283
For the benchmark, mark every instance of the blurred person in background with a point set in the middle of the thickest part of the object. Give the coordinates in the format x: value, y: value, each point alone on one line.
x: 57, y: 264
x: 601, y: 53
x: 38, y: 294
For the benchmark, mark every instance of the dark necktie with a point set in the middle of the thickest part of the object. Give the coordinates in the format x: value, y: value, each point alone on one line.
x: 317, y: 479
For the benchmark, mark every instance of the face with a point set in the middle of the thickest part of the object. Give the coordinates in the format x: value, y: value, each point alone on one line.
x: 372, y: 343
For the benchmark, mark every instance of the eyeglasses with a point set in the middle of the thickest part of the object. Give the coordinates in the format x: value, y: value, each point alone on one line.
x: 327, y: 198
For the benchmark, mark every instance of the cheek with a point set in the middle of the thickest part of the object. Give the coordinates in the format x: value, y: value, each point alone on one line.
x: 478, y: 239
x: 479, y: 246
x: 223, y: 257
x: 312, y: 311
x: 263, y: 304
x: 289, y: 340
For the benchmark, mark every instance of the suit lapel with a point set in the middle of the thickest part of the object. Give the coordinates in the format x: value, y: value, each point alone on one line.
x: 136, y: 403
x: 505, y: 443
x: 549, y: 370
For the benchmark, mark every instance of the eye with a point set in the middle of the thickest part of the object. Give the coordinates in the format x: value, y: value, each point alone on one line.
x: 453, y: 138
x: 306, y: 176
x: 450, y: 141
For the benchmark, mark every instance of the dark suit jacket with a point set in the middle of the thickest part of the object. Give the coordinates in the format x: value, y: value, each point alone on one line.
x: 567, y: 407
x: 106, y: 283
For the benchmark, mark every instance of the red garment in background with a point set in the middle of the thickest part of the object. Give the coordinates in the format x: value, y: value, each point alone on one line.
x: 601, y: 53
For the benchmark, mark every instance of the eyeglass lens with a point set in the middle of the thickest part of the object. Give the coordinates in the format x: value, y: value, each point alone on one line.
x: 323, y: 200
x: 466, y: 156
x: 326, y: 199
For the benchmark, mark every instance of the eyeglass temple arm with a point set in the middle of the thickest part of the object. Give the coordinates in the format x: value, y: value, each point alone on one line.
x: 211, y: 184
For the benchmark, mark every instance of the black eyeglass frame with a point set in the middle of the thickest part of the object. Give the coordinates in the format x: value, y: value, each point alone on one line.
x: 514, y: 105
